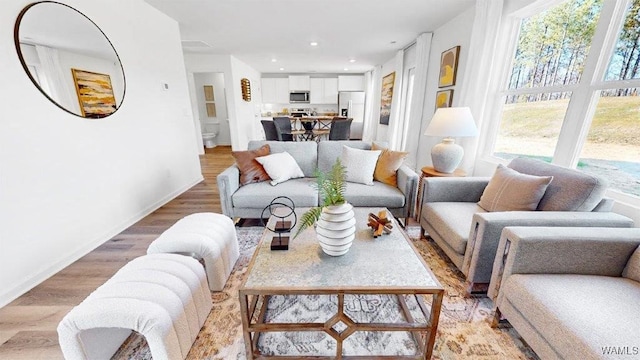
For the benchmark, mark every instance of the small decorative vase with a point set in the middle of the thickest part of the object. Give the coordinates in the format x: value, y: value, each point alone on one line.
x: 336, y: 229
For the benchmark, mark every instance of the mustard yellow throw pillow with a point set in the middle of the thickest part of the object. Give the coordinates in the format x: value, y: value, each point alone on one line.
x: 388, y: 164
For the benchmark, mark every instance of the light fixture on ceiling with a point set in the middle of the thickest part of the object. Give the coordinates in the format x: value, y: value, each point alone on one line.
x: 313, y: 43
x: 281, y: 69
x: 345, y: 69
x: 352, y: 60
x: 274, y: 60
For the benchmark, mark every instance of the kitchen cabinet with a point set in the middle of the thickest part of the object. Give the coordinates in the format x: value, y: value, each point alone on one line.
x: 275, y: 90
x: 282, y: 91
x: 351, y: 83
x: 299, y: 82
x: 323, y: 90
x: 268, y: 90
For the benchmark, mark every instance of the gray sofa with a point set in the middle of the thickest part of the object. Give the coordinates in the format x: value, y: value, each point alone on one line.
x: 248, y: 201
x: 571, y: 293
x: 469, y: 235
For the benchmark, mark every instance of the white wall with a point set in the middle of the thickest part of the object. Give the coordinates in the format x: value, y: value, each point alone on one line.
x: 247, y: 121
x: 455, y: 32
x: 244, y: 117
x: 68, y: 184
x: 382, y: 131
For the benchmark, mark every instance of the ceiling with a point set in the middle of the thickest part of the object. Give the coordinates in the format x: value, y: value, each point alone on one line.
x: 258, y: 31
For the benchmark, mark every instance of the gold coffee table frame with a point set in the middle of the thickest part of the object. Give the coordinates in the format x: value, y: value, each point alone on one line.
x: 397, y: 255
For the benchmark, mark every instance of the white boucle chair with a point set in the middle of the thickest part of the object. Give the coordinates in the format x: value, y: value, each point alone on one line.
x: 207, y: 236
x: 164, y: 297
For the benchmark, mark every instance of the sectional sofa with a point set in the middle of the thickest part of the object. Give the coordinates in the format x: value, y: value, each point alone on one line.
x: 248, y: 201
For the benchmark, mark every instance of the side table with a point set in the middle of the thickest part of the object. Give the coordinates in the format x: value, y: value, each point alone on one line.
x: 429, y: 171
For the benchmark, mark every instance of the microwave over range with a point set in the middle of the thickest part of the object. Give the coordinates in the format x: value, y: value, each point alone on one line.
x: 299, y: 97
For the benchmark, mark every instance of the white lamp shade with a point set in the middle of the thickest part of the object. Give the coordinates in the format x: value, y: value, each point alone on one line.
x: 452, y: 122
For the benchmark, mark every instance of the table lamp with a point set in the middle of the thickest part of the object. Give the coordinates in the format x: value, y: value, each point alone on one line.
x: 448, y: 123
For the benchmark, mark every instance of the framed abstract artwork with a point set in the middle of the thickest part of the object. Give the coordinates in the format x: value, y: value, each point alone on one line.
x: 444, y: 98
x: 386, y: 97
x: 95, y: 93
x: 448, y: 67
x: 208, y: 93
x: 211, y: 109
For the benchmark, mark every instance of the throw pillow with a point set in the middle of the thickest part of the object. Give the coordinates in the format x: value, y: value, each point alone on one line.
x: 360, y: 164
x: 250, y: 170
x: 509, y: 190
x: 280, y: 167
x: 388, y: 164
x: 632, y: 270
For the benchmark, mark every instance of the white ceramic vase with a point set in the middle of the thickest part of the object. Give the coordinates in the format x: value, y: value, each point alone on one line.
x: 336, y: 229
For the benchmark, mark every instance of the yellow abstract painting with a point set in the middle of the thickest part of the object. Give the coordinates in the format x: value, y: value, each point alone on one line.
x: 95, y: 93
x: 449, y: 67
x: 386, y: 98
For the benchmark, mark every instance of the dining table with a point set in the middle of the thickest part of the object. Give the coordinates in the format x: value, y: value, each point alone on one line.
x: 318, y: 131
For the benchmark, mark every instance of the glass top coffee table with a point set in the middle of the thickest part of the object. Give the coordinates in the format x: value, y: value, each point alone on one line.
x: 368, y: 300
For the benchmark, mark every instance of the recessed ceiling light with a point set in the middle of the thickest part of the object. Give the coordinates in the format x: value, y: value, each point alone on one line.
x: 345, y: 69
x: 352, y: 60
x: 274, y: 60
x: 281, y: 69
x: 313, y: 43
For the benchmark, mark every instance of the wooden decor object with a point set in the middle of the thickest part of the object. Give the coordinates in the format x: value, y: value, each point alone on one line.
x: 246, y: 89
x: 380, y: 224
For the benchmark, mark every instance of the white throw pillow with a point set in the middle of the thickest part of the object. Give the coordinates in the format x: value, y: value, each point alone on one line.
x: 360, y: 164
x: 280, y: 167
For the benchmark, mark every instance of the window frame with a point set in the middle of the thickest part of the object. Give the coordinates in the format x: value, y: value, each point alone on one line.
x: 584, y: 94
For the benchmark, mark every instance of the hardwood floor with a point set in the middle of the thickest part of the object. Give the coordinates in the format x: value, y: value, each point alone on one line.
x: 28, y: 324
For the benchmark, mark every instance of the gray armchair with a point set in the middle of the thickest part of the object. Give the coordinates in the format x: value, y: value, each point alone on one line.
x: 571, y: 293
x: 469, y: 235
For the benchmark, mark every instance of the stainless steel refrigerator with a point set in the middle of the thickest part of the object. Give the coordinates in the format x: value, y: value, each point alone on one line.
x: 351, y: 104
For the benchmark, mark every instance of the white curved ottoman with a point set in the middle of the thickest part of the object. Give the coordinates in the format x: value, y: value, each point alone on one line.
x: 164, y: 297
x: 207, y: 236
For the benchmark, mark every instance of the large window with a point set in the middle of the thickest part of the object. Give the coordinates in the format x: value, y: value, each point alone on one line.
x: 572, y: 95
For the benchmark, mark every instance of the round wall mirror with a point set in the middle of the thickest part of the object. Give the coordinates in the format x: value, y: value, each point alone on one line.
x: 69, y: 59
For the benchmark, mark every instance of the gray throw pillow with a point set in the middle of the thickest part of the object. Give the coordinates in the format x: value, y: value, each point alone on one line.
x: 509, y: 190
x: 632, y: 270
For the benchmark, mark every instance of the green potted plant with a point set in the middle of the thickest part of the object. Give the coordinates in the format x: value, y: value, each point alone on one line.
x: 334, y: 220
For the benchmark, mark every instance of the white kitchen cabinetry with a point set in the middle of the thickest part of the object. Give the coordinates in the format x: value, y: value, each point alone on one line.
x: 316, y: 92
x: 330, y: 91
x: 282, y: 91
x: 350, y: 83
x: 324, y: 91
x: 268, y: 90
x: 275, y: 90
x: 299, y: 82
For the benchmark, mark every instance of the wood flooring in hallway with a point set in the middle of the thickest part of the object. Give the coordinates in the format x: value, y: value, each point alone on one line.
x: 28, y: 324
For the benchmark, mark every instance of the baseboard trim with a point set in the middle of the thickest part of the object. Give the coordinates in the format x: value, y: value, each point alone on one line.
x: 33, y: 281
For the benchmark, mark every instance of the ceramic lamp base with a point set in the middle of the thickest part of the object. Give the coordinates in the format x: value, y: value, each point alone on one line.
x: 446, y: 156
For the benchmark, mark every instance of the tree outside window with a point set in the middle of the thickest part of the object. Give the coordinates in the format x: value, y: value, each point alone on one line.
x: 550, y: 83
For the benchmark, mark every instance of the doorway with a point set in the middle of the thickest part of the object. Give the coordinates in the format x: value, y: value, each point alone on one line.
x: 211, y: 102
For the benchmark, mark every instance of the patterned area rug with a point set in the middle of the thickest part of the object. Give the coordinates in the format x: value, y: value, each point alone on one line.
x: 464, y: 330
